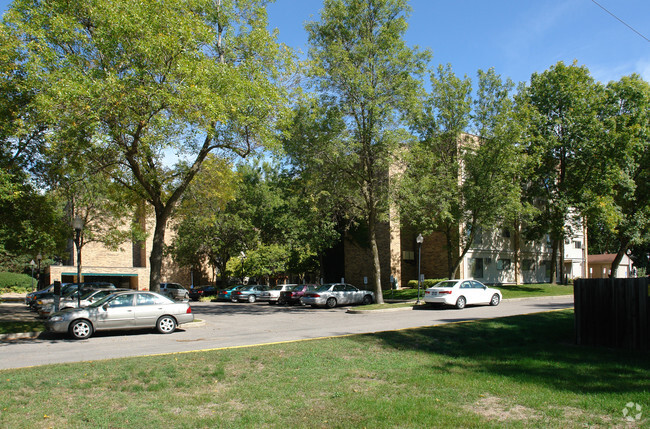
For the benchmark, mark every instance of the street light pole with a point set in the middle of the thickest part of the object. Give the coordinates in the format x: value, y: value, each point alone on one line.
x: 419, y: 240
x: 78, y: 225
x: 39, y: 258
x: 33, y: 264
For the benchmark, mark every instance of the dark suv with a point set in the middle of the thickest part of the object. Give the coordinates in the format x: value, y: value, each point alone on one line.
x: 174, y: 291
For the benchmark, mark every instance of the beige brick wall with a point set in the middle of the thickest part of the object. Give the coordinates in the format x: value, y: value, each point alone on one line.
x: 358, y: 260
x: 97, y: 259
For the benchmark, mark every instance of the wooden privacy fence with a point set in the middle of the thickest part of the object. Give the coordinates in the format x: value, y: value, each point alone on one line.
x: 612, y: 313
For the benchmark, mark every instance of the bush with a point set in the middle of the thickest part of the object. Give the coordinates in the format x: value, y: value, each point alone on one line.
x: 17, y: 283
x: 426, y: 283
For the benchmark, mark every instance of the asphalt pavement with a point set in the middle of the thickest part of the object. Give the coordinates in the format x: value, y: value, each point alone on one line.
x: 224, y: 325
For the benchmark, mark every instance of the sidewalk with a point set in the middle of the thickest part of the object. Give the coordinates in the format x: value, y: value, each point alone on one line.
x: 13, y: 309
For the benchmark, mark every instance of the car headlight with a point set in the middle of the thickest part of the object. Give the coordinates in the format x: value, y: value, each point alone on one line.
x: 56, y: 318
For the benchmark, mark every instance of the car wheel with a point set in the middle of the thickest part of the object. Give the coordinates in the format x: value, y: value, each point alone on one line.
x: 331, y: 302
x: 367, y: 300
x: 460, y: 303
x: 166, y: 325
x: 495, y: 299
x: 251, y: 298
x: 81, y: 329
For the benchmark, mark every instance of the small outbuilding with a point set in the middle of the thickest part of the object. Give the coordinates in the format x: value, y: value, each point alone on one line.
x: 600, y: 266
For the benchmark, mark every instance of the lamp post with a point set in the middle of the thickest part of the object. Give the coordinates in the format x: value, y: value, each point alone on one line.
x: 419, y: 240
x: 39, y: 258
x: 33, y: 264
x: 78, y: 225
x: 242, y: 256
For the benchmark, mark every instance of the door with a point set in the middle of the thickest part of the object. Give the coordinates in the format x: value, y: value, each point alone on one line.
x: 148, y: 308
x: 482, y: 294
x: 353, y: 295
x: 471, y: 294
x: 117, y: 313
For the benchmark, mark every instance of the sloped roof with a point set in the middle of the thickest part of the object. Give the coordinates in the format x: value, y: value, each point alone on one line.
x: 605, y: 258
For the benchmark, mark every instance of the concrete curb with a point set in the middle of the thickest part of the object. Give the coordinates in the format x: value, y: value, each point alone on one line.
x: 20, y: 336
x: 388, y: 310
x: 33, y: 335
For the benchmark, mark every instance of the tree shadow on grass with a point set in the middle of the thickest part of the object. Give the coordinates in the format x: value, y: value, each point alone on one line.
x: 535, y: 348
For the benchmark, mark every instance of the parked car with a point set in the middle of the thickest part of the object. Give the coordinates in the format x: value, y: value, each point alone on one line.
x: 122, y: 310
x: 67, y: 291
x: 31, y: 297
x: 174, y: 291
x: 333, y: 294
x: 273, y: 294
x: 199, y: 292
x: 460, y: 293
x: 77, y: 299
x: 225, y: 294
x: 293, y: 296
x: 248, y: 293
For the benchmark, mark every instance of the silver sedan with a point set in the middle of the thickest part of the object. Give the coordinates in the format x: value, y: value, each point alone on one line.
x: 333, y: 294
x: 122, y: 310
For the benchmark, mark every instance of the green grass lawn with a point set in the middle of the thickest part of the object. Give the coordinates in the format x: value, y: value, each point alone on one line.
x: 8, y: 327
x: 519, y: 371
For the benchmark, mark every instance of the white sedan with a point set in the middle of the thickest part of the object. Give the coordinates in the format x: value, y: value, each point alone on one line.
x: 333, y: 294
x: 460, y: 293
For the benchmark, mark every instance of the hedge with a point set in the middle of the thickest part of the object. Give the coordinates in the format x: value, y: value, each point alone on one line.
x: 18, y: 283
x: 426, y: 283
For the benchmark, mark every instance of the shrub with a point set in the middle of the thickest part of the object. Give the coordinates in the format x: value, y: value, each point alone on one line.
x: 18, y: 283
x: 426, y: 283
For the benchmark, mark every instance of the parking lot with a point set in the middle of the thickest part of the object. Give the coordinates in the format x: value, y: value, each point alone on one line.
x: 226, y: 324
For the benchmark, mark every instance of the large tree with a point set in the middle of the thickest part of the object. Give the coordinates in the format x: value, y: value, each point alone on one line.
x: 623, y: 209
x: 152, y: 79
x: 366, y: 73
x: 456, y: 183
x: 30, y: 222
x: 564, y: 147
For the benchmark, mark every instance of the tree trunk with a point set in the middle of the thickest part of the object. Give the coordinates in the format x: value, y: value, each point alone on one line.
x: 562, y: 275
x: 451, y: 267
x: 623, y: 245
x: 372, y: 228
x: 553, y: 279
x: 157, y: 247
x: 517, y: 254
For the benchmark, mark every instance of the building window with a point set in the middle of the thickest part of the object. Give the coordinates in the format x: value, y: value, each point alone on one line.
x: 528, y: 265
x: 547, y: 266
x: 408, y: 255
x: 577, y: 244
x: 503, y: 264
x: 506, y: 233
x: 476, y: 267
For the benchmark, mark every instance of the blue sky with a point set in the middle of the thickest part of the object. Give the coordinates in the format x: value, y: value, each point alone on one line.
x: 516, y: 37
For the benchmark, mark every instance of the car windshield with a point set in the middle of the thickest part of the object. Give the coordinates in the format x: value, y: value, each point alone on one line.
x: 447, y: 284
x: 298, y: 288
x: 101, y: 301
x: 278, y: 287
x: 87, y: 294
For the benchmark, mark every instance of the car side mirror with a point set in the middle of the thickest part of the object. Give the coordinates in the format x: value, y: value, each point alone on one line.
x: 484, y: 287
x: 105, y: 307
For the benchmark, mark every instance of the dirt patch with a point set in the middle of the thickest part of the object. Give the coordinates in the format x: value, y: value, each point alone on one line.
x: 495, y: 409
